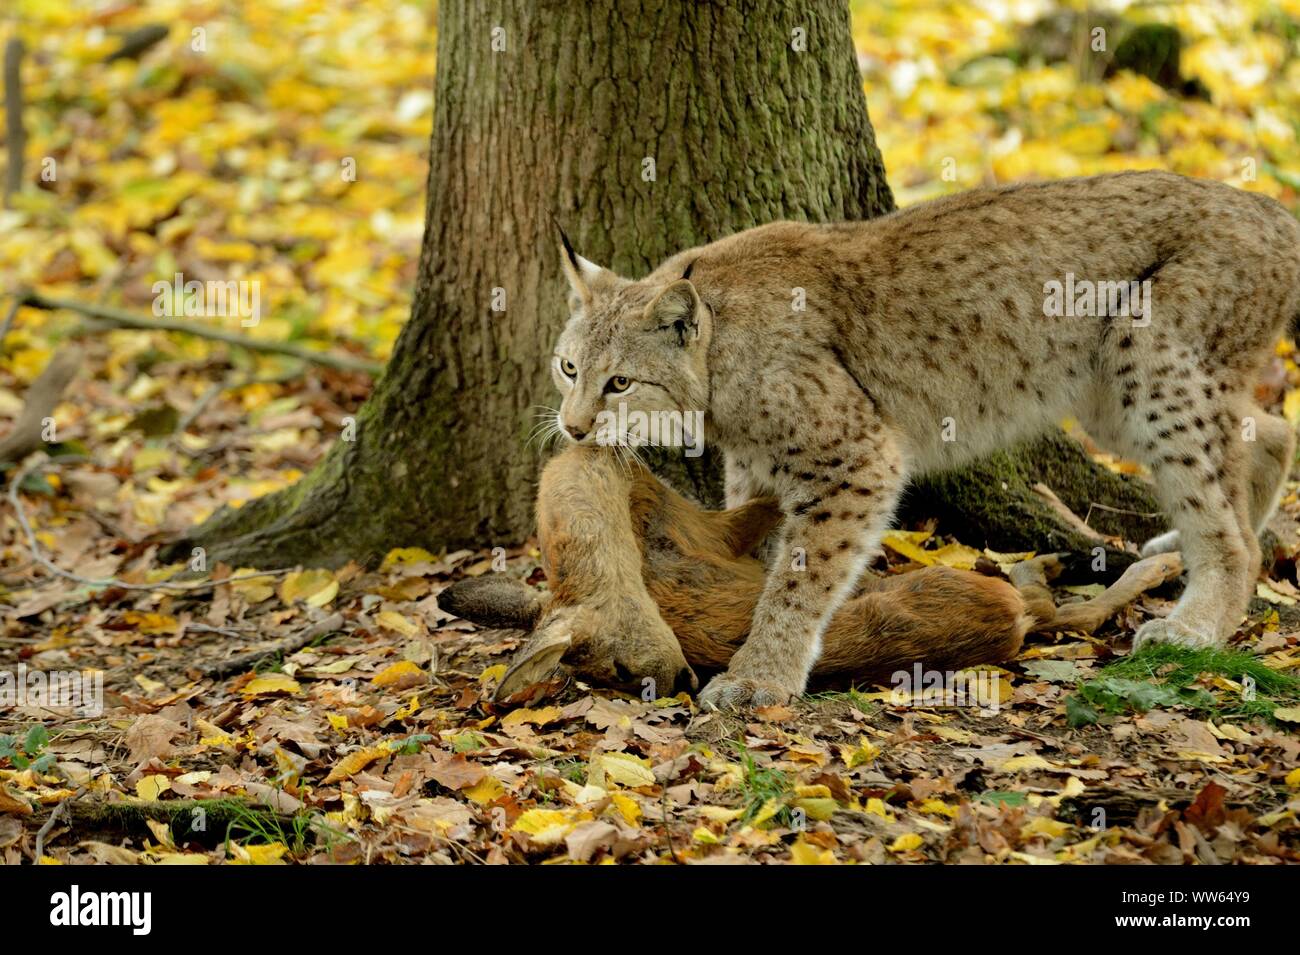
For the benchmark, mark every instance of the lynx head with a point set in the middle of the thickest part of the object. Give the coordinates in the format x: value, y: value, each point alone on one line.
x: 642, y: 345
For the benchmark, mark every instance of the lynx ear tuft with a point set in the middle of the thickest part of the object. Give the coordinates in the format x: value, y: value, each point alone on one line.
x: 677, y: 308
x: 581, y: 273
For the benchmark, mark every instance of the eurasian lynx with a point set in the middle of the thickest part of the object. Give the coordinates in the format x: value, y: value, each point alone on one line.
x: 833, y: 361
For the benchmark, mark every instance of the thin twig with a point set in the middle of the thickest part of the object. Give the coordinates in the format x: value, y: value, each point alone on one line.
x: 35, y: 464
x: 9, y: 318
x: 124, y: 319
x: 288, y: 645
x: 1093, y: 505
x: 1066, y: 516
x: 49, y: 824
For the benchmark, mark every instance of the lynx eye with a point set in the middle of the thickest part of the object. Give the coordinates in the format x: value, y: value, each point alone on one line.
x: 569, y: 368
x: 618, y: 384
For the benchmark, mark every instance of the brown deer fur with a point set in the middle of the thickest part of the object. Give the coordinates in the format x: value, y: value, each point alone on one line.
x: 642, y: 580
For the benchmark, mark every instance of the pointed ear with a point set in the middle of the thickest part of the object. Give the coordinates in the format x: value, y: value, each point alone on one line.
x: 582, y: 274
x: 678, y: 309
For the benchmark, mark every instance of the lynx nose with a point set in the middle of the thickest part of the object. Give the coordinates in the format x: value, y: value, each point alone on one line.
x: 574, y: 433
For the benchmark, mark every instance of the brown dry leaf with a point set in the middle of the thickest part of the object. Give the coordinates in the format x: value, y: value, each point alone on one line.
x: 457, y: 772
x: 151, y: 736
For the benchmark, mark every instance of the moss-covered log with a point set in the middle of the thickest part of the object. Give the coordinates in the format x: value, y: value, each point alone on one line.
x: 993, y: 503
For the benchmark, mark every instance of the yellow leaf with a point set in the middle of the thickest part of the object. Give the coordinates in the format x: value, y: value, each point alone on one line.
x: 957, y: 556
x: 394, y: 621
x: 626, y: 769
x: 271, y: 683
x: 213, y: 735
x: 148, y: 685
x: 252, y: 589
x: 401, y: 673
x: 402, y: 556
x: 766, y: 814
x: 1018, y: 763
x: 523, y: 716
x: 1043, y: 826
x: 9, y: 802
x: 627, y: 808
x: 908, y: 544
x: 906, y: 843
x: 410, y: 709
x: 721, y: 813
x: 162, y: 832
x: 535, y: 822
x: 864, y: 752
x: 492, y: 673
x: 705, y: 836
x: 338, y: 721
x: 805, y: 853
x: 1289, y: 714
x: 819, y: 809
x: 1265, y: 592
x: 813, y: 791
x: 1291, y: 407
x: 876, y: 807
x: 1293, y: 778
x: 258, y: 855
x: 485, y: 790
x: 151, y: 623
x: 149, y: 788
x: 354, y: 762
x: 938, y: 807
x: 316, y: 586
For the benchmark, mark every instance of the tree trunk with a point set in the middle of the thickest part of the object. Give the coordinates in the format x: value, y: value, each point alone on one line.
x: 643, y: 127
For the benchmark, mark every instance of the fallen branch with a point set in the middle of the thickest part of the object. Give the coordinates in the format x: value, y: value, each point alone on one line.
x: 137, y: 42
x: 121, y: 318
x: 125, y: 814
x: 288, y: 645
x: 1067, y: 516
x: 28, y: 432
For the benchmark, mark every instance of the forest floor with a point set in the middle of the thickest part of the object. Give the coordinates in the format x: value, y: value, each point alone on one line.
x: 366, y: 731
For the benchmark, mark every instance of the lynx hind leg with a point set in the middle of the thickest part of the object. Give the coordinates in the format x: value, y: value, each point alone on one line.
x: 1272, y: 454
x: 1272, y: 442
x: 1184, y: 428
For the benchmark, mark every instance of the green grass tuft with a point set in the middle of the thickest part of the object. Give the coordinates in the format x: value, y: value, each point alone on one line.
x: 1164, y: 675
x: 760, y: 784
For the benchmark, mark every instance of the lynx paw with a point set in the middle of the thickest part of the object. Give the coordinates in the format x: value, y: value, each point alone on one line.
x: 1172, y: 631
x: 728, y: 692
x: 1162, y: 544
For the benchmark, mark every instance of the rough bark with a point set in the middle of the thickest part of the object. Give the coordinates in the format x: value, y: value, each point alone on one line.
x: 742, y: 128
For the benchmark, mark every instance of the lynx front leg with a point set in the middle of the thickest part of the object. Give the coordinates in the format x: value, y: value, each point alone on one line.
x: 838, y: 494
